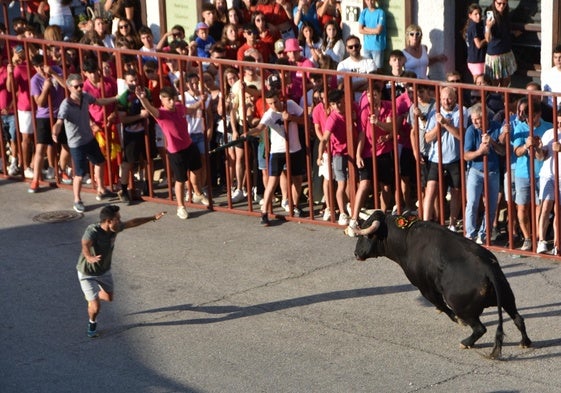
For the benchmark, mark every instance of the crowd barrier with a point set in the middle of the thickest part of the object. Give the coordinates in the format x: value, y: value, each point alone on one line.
x: 219, y: 167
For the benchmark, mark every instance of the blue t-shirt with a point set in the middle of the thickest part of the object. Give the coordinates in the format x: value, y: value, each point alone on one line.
x: 472, y: 141
x: 203, y: 46
x: 501, y: 41
x: 475, y: 54
x: 521, y: 132
x: 450, y: 145
x: 372, y: 19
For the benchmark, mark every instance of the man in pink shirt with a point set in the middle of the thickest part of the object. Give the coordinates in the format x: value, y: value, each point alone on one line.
x: 182, y: 153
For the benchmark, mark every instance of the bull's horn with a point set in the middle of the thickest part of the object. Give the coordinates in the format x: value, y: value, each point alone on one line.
x: 367, y: 231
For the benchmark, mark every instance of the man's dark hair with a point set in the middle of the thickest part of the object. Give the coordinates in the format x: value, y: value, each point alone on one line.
x: 108, y: 212
x: 272, y: 93
x: 37, y: 60
x: 335, y: 95
x: 557, y: 49
x: 90, y: 65
x: 208, y: 7
x: 145, y: 30
x: 168, y: 91
x: 131, y: 72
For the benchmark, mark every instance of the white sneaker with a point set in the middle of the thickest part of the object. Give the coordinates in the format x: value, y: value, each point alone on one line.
x: 201, y: 199
x: 343, y: 219
x: 49, y: 173
x: 453, y: 228
x: 326, y: 214
x: 285, y: 205
x: 350, y: 230
x: 182, y: 213
x: 237, y: 196
x: 28, y: 173
x: 479, y: 240
x: 527, y: 245
x: 542, y: 247
x: 13, y: 169
x: 297, y: 212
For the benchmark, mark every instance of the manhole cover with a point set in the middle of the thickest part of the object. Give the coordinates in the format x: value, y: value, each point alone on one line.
x: 58, y: 216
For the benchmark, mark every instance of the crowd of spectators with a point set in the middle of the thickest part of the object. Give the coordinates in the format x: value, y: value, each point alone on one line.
x: 229, y: 102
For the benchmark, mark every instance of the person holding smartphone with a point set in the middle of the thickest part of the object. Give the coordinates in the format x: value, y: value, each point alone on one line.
x: 500, y: 63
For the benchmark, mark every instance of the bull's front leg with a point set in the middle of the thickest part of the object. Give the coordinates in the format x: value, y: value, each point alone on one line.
x: 478, y: 330
x: 438, y: 301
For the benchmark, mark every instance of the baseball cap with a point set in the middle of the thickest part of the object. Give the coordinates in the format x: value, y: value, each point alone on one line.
x: 201, y: 25
x: 279, y: 46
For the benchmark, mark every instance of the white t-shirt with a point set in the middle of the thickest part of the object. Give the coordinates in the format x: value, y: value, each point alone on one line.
x: 551, y: 81
x: 547, y: 170
x: 362, y: 66
x: 274, y: 121
x: 195, y: 122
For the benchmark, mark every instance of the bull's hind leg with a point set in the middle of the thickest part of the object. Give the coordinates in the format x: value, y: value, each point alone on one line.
x: 478, y: 330
x: 519, y: 322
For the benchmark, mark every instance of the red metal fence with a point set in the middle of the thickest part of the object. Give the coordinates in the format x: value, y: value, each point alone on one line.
x: 220, y: 164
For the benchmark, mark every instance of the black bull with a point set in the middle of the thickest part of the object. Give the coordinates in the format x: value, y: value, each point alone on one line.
x: 455, y: 274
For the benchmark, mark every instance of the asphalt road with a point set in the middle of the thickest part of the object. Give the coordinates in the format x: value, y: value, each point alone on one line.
x: 218, y: 304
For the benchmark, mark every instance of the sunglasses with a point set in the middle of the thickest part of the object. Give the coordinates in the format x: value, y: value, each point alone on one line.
x: 499, y: 3
x: 176, y: 34
x: 78, y: 86
x: 414, y: 34
x: 454, y: 80
x: 355, y: 46
x: 124, y: 26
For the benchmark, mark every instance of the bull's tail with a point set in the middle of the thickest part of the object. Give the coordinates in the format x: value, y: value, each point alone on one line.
x: 499, y: 334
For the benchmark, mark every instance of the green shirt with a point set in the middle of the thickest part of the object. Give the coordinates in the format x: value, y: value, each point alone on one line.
x: 103, y: 244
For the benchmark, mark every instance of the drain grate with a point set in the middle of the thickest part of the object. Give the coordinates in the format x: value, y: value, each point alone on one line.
x: 58, y: 216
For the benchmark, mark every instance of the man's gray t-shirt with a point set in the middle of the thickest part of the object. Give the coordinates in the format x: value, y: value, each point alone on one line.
x: 103, y: 244
x: 77, y: 120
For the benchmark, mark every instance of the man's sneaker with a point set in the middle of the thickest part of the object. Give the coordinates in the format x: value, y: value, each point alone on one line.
x: 87, y: 179
x: 527, y: 245
x: 350, y: 230
x: 542, y: 247
x: 49, y: 173
x: 79, y: 207
x: 182, y: 213
x: 285, y: 205
x: 297, y: 212
x: 479, y: 240
x: 264, y: 220
x: 124, y: 196
x: 33, y: 187
x: 92, y: 330
x: 237, y: 196
x: 104, y: 195
x: 343, y: 219
x: 28, y: 173
x: 201, y: 198
x: 453, y: 228
x: 555, y: 251
x: 326, y: 214
x: 65, y: 179
x: 13, y: 168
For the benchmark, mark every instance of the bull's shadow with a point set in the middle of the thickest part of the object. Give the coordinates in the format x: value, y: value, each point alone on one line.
x: 234, y: 312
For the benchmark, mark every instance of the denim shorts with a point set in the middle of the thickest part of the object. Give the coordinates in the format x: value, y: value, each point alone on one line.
x: 522, y: 187
x: 82, y: 154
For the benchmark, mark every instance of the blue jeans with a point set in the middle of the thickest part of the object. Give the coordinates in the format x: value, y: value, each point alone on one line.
x: 376, y: 55
x: 66, y: 23
x: 475, y: 190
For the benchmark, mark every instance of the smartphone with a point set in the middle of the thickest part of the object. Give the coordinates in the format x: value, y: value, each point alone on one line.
x: 489, y: 15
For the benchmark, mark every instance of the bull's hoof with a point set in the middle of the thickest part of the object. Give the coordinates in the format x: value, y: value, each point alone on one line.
x: 525, y: 344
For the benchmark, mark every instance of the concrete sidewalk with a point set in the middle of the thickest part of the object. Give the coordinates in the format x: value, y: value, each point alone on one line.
x: 217, y: 303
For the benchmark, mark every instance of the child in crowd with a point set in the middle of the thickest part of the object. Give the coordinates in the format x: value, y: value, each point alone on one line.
x: 474, y: 34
